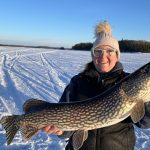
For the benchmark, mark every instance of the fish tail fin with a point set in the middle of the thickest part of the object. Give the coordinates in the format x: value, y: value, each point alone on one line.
x: 11, y: 127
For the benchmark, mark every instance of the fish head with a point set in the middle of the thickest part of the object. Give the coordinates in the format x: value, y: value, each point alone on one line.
x: 137, y: 84
x: 145, y: 70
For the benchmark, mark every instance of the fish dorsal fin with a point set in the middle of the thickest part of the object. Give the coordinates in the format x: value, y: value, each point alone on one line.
x: 32, y: 103
x: 138, y: 111
x: 78, y: 138
x: 28, y: 131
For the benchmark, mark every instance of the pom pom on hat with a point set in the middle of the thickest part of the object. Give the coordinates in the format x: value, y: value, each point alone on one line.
x: 103, y: 35
x: 103, y: 27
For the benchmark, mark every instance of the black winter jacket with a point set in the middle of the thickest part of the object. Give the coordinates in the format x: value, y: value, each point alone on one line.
x: 88, y: 84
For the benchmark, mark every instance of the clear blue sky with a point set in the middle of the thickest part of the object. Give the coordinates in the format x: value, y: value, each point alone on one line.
x: 67, y: 22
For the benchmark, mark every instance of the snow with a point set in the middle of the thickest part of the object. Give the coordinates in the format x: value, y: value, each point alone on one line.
x: 43, y: 74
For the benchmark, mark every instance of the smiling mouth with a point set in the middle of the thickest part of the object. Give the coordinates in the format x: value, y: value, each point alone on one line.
x: 104, y: 63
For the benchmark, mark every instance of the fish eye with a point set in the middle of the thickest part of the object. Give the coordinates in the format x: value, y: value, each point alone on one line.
x: 147, y: 70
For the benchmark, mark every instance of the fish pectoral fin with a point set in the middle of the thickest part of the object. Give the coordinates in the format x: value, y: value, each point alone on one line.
x: 138, y: 111
x: 33, y: 103
x: 28, y: 131
x: 78, y: 138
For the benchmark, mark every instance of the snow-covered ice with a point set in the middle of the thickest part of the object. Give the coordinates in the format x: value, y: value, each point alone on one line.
x: 43, y: 74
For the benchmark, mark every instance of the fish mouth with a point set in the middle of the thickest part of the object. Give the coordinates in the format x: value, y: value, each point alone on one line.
x: 148, y: 70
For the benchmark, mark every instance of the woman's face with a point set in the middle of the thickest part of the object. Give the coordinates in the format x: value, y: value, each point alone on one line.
x: 106, y: 59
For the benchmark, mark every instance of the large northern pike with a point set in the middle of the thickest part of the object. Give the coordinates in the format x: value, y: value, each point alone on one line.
x: 124, y: 99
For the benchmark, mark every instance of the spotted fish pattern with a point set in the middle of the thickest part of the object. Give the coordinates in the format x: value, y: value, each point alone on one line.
x: 124, y: 99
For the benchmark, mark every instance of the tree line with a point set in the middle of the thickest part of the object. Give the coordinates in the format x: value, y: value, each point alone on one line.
x: 125, y: 46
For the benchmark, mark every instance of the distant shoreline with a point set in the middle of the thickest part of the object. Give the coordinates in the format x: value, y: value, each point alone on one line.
x: 46, y: 47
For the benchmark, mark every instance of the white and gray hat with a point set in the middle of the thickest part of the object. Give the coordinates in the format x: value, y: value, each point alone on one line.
x: 103, y: 34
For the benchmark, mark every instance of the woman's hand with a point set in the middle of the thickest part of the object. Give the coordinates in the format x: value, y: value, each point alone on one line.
x: 51, y: 129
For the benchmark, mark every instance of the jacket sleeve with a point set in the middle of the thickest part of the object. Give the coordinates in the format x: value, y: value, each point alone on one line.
x: 145, y: 121
x: 69, y: 94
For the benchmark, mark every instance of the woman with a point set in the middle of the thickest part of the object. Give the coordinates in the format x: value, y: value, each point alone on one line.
x: 102, y: 73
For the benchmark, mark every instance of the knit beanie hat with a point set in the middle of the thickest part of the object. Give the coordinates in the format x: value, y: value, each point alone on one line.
x: 103, y: 34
